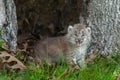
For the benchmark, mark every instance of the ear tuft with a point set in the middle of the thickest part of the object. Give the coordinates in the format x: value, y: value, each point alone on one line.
x: 89, y: 29
x: 70, y: 27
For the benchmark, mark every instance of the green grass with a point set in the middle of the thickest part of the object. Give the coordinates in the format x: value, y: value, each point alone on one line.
x: 98, y: 69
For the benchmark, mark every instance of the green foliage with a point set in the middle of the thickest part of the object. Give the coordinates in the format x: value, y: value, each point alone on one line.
x: 1, y: 40
x: 98, y: 69
x: 1, y: 31
x: 1, y: 43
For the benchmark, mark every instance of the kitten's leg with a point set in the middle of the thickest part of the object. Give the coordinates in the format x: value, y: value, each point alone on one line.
x: 71, y: 60
x: 37, y: 63
x: 81, y: 61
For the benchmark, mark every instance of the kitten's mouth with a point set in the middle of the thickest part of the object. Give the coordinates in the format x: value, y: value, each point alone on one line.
x: 78, y: 42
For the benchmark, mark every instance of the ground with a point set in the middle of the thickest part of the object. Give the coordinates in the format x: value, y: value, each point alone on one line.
x: 98, y: 69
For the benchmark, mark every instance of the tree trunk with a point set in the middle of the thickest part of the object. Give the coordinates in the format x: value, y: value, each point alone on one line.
x: 8, y: 23
x: 104, y: 20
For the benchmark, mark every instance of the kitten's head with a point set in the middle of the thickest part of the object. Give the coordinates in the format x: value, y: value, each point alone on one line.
x: 78, y: 35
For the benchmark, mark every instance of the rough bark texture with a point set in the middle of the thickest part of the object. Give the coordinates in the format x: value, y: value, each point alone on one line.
x: 104, y: 19
x: 8, y: 23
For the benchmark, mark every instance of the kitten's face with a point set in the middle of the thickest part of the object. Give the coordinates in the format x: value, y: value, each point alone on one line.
x: 77, y: 36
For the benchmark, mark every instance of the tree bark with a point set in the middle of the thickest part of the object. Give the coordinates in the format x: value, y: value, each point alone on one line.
x: 104, y: 20
x: 8, y: 23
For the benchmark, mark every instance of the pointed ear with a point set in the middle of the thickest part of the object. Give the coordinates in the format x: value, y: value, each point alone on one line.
x: 88, y: 29
x: 70, y: 28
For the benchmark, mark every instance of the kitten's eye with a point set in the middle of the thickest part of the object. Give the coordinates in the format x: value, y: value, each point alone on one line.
x: 76, y: 35
x: 83, y: 33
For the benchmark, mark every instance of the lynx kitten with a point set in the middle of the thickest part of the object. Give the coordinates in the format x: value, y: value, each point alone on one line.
x: 71, y: 48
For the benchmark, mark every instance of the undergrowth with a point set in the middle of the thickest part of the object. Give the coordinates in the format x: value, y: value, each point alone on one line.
x: 99, y: 69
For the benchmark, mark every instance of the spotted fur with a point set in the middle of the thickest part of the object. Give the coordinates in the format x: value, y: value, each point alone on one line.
x: 81, y: 38
x: 71, y: 47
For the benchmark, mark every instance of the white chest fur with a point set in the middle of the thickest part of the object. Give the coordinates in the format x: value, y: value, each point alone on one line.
x: 79, y: 55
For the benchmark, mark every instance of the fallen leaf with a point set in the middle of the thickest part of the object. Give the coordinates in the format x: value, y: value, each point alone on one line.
x: 11, y: 61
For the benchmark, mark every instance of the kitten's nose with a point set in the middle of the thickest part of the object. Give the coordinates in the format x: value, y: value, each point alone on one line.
x: 79, y: 40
